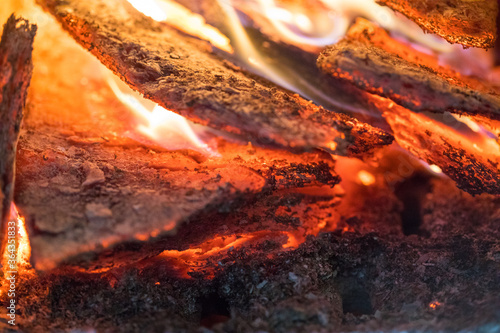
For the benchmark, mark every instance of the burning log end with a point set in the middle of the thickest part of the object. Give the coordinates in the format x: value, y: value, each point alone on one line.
x: 15, y: 75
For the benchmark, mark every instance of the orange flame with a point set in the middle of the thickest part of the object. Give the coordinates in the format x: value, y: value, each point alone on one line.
x: 17, y: 252
x: 195, y: 259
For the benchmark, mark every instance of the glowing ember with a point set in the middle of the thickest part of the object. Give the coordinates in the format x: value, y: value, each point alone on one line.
x: 163, y: 127
x: 433, y: 305
x: 195, y: 259
x: 366, y: 178
x: 183, y: 19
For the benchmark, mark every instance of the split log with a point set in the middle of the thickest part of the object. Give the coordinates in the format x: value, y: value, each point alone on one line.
x: 371, y: 60
x: 15, y: 75
x: 182, y: 74
x: 470, y: 23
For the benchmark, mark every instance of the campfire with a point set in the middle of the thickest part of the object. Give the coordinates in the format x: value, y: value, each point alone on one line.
x: 249, y: 165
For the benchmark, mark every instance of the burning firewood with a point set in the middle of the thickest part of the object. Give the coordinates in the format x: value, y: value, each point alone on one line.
x: 94, y: 198
x: 293, y: 59
x: 370, y: 59
x: 376, y: 63
x: 473, y: 166
x: 15, y: 75
x: 470, y: 23
x: 182, y: 74
x: 89, y: 201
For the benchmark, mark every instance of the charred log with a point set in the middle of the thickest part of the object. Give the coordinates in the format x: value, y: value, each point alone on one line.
x: 181, y: 74
x: 107, y: 204
x: 371, y: 60
x: 473, y: 170
x: 296, y: 61
x: 458, y: 21
x: 415, y: 80
x: 15, y: 75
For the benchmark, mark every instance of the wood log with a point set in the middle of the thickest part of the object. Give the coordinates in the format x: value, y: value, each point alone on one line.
x: 470, y: 23
x: 473, y: 166
x: 182, y: 74
x: 94, y: 198
x: 371, y: 60
x: 380, y: 65
x: 295, y: 60
x: 15, y: 75
x: 88, y: 204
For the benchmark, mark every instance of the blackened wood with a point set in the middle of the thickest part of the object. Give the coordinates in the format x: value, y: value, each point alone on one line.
x: 182, y: 74
x: 371, y: 60
x: 470, y: 23
x: 15, y: 75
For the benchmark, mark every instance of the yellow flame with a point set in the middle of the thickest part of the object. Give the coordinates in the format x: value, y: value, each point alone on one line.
x: 162, y: 126
x: 24, y: 248
x: 183, y: 19
x: 17, y: 251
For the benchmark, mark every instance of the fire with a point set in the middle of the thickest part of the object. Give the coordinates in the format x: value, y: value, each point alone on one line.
x: 161, y: 126
x: 435, y: 168
x: 195, y: 259
x: 183, y: 19
x: 17, y: 251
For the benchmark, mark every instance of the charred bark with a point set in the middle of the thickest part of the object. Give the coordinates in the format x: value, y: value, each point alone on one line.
x: 15, y: 75
x: 474, y: 171
x: 371, y: 60
x: 470, y: 23
x: 182, y: 74
x: 378, y: 64
x: 107, y: 204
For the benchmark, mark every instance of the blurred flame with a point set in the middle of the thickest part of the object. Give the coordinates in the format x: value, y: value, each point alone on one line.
x: 323, y: 27
x: 183, y: 19
x: 164, y: 127
x: 22, y: 250
x: 366, y: 178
